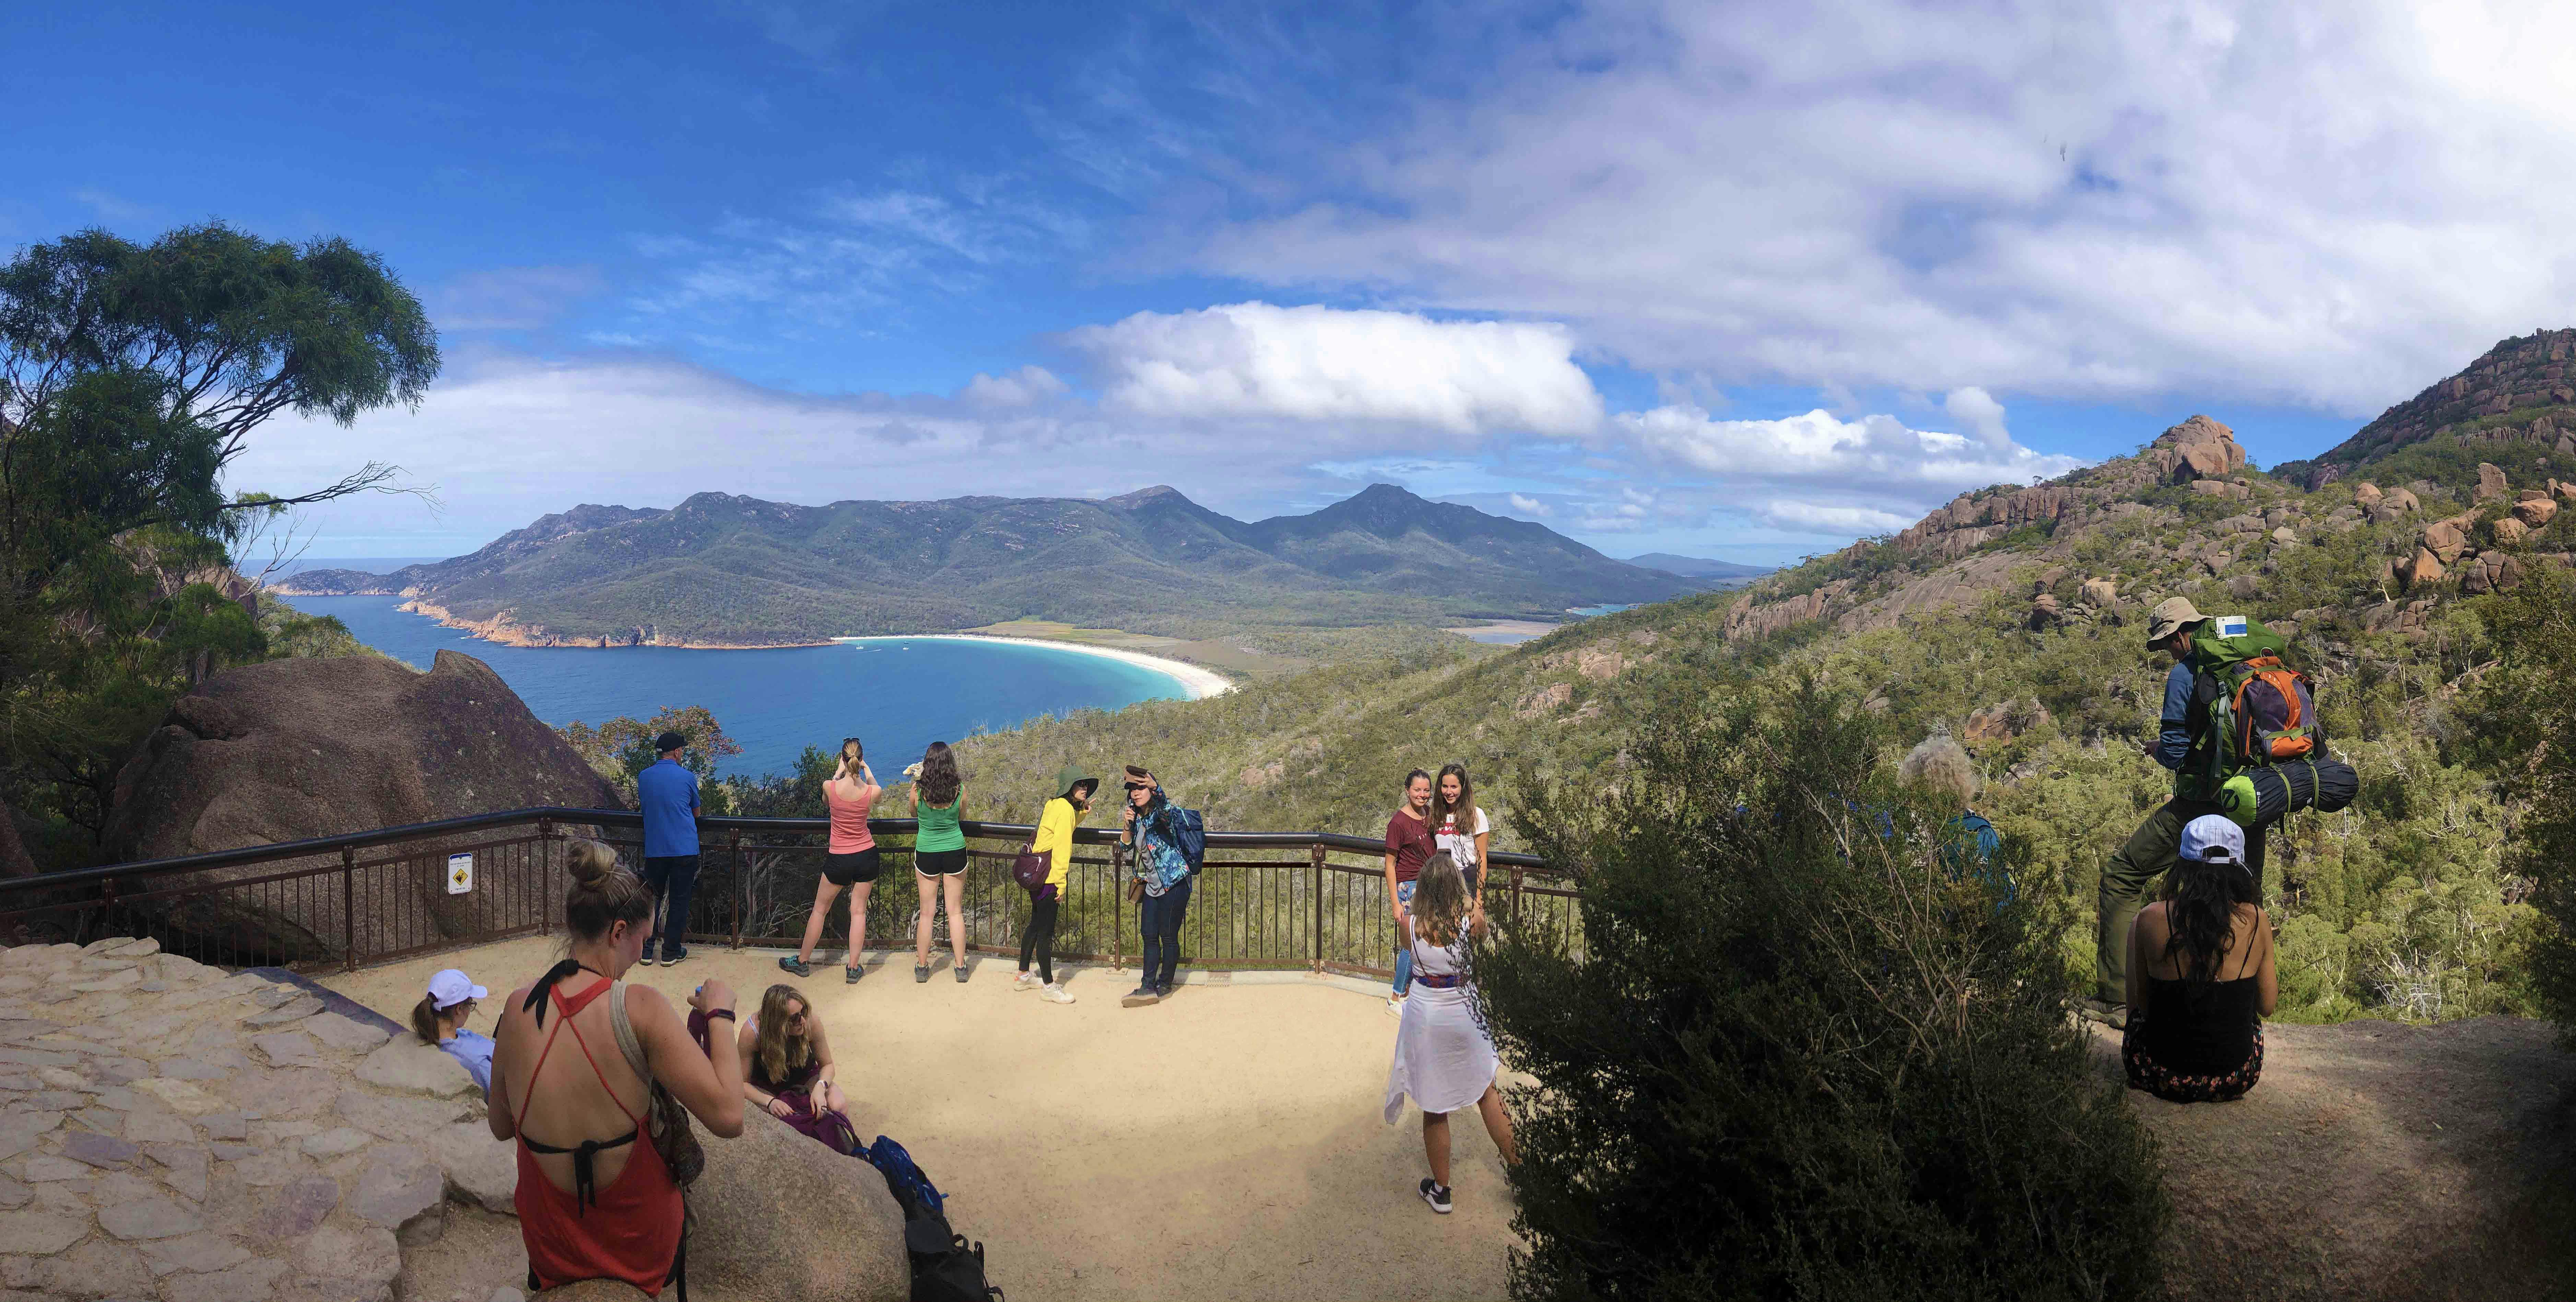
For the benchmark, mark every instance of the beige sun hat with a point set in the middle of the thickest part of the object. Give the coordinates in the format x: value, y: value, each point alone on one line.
x: 2170, y: 614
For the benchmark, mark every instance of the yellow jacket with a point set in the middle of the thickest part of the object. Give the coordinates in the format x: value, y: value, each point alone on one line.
x: 1055, y: 835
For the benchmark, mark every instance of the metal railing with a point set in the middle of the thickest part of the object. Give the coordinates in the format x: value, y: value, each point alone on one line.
x: 1312, y: 900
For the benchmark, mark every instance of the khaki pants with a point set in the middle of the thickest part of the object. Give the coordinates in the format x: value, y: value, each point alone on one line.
x: 2132, y: 871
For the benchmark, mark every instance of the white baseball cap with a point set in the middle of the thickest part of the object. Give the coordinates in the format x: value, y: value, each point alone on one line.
x: 2214, y: 838
x: 449, y: 987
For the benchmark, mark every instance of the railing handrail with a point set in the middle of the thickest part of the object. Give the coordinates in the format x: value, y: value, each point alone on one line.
x: 251, y: 854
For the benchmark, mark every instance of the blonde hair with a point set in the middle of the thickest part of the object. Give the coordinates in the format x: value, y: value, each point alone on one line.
x: 778, y: 1051
x: 1439, y: 900
x: 852, y: 755
x: 602, y: 894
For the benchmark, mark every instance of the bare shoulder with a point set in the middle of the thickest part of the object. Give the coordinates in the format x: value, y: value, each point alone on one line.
x: 644, y: 1001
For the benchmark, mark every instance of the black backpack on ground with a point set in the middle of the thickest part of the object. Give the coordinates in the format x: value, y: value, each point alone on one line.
x: 945, y: 1267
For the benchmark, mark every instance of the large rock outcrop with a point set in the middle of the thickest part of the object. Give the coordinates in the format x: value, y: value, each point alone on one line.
x: 304, y: 748
x: 2198, y: 448
x: 780, y: 1216
x: 2522, y: 391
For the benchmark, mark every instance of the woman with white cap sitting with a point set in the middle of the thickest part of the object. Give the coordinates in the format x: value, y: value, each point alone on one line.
x: 2201, y: 979
x: 440, y: 1018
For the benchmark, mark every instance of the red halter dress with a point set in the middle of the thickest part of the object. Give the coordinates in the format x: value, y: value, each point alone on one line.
x: 629, y: 1231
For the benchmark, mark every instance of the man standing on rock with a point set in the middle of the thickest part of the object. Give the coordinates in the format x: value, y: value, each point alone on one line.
x: 2148, y: 854
x: 668, y: 792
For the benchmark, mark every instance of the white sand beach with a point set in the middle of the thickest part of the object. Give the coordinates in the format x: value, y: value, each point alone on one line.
x: 1197, y: 682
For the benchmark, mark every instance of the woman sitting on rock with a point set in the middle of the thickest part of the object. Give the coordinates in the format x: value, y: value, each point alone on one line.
x: 787, y: 1064
x: 597, y: 1199
x: 439, y: 1019
x: 2200, y: 974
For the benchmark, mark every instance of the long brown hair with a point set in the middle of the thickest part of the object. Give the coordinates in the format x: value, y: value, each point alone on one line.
x: 938, y: 782
x: 1439, y: 900
x: 424, y: 1020
x: 778, y: 1051
x: 1465, y: 809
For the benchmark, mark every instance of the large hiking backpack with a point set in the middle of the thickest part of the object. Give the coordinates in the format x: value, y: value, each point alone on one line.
x: 1189, y: 832
x: 2262, y: 711
x: 945, y: 1267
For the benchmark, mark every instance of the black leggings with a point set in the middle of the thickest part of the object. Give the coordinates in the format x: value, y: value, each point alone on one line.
x: 1039, y: 936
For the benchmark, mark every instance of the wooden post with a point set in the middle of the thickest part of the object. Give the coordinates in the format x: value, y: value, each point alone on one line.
x: 1315, y: 856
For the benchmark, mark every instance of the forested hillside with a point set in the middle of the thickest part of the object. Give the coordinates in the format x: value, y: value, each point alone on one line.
x: 2012, y: 619
x: 720, y: 570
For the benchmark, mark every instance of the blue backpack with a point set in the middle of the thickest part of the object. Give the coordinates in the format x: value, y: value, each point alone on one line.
x: 1189, y: 832
x: 904, y: 1179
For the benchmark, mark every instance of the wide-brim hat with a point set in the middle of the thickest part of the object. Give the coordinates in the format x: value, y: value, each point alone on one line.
x: 2170, y: 614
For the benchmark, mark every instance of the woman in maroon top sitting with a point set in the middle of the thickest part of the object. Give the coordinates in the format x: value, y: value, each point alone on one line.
x: 788, y: 1070
x: 1409, y: 841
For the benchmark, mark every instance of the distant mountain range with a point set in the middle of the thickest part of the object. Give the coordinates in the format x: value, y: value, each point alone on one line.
x: 721, y: 570
x: 1692, y: 567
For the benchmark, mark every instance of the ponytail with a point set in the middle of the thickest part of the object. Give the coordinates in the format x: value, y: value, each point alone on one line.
x: 424, y: 1020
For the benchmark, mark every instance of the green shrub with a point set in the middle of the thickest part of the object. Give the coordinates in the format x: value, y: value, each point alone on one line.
x: 1798, y: 1059
x: 2521, y: 723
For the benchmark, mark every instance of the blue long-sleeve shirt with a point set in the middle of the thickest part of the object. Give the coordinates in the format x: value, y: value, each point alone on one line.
x: 2173, y: 742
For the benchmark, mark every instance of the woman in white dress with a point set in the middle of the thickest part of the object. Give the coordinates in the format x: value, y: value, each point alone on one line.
x: 1444, y: 1056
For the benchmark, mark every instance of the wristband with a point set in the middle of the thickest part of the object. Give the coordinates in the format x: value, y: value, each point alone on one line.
x: 714, y: 1013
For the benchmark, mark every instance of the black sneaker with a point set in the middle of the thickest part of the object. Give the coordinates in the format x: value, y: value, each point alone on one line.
x: 674, y: 957
x: 850, y: 975
x: 1163, y: 991
x: 795, y: 966
x: 920, y: 973
x: 961, y: 974
x: 1139, y: 997
x: 1437, y: 1195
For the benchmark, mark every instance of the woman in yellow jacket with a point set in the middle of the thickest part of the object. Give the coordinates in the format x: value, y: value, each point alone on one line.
x: 1055, y: 840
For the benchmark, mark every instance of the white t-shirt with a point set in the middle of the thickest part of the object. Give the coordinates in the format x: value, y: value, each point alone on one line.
x: 1461, y: 845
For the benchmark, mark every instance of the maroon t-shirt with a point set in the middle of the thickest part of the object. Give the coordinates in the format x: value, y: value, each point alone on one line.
x: 1409, y: 840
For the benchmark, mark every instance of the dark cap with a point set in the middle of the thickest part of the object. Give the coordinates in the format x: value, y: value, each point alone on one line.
x: 668, y: 742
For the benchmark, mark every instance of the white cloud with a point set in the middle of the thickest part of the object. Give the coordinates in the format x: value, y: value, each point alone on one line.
x: 2314, y: 202
x: 1024, y: 387
x: 1313, y: 363
x: 1819, y: 447
x: 1828, y: 519
x: 510, y: 298
x: 1528, y: 505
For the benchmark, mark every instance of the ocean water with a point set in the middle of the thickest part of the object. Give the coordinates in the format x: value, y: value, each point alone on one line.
x: 895, y: 695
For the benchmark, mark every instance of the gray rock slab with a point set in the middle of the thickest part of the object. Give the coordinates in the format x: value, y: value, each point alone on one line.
x: 192, y: 1253
x: 191, y: 1069
x: 45, y: 1168
x: 37, y: 1058
x: 338, y: 1140
x: 344, y: 1034
x: 295, y: 1209
x: 269, y: 995
x: 285, y: 1048
x: 101, y: 1268
x: 403, y: 1191
x: 225, y: 1125
x: 19, y: 1131
x: 366, y: 1253
x: 40, y: 1234
x: 396, y: 1118
x: 480, y: 1170
x: 256, y: 1278
x: 415, y: 1068
x: 292, y: 1010
x: 13, y: 1195
x: 152, y: 1126
x: 149, y: 1218
x: 105, y: 1151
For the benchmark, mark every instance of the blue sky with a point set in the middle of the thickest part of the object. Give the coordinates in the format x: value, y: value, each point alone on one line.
x: 1739, y: 280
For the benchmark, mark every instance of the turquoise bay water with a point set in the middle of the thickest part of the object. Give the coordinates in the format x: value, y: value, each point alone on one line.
x: 896, y: 695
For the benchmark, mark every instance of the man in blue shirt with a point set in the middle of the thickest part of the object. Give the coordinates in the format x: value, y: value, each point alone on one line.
x: 668, y: 792
x: 2148, y: 854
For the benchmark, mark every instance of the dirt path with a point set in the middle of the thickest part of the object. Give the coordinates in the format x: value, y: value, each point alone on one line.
x: 1226, y: 1144
x: 2378, y: 1160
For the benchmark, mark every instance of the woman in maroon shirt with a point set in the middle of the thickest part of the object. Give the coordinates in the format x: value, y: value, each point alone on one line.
x: 1408, y: 842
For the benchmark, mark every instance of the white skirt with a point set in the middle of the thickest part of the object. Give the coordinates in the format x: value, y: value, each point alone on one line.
x: 1442, y: 1058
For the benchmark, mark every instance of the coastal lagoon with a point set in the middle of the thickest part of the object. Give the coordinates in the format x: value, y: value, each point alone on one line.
x: 895, y: 694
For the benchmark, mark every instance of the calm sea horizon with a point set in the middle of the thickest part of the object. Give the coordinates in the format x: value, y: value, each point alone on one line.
x: 896, y: 696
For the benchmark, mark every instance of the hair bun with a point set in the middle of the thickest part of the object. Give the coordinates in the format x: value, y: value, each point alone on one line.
x: 589, y: 862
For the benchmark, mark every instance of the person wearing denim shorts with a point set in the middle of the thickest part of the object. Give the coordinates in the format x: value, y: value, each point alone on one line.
x: 1409, y: 841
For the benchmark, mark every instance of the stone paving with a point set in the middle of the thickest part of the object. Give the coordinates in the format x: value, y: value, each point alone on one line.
x: 171, y: 1132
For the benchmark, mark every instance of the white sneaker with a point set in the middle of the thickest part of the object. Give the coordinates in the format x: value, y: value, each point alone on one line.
x: 1027, y: 980
x: 1395, y: 1005
x: 1055, y: 995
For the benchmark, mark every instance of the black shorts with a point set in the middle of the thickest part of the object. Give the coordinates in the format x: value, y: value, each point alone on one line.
x: 849, y: 869
x: 939, y: 863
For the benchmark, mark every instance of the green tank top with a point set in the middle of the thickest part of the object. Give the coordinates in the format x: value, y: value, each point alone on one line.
x: 938, y: 829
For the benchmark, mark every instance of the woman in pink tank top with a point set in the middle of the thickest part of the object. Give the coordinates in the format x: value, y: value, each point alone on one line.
x: 850, y: 860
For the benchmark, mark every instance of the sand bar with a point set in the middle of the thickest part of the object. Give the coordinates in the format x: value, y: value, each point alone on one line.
x: 1198, y: 683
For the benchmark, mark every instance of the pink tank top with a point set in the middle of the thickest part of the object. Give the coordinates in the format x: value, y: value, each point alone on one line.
x: 850, y: 832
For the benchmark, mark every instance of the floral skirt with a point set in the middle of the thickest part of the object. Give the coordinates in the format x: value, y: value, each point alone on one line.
x: 2145, y: 1073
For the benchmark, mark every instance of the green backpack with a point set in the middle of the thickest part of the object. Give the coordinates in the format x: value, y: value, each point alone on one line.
x: 2261, y: 711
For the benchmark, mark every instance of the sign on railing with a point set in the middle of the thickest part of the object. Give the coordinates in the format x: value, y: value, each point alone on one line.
x: 1312, y: 900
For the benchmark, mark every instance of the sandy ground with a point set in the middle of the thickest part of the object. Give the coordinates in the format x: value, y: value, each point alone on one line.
x: 1225, y: 1144
x: 1199, y: 682
x: 1505, y: 632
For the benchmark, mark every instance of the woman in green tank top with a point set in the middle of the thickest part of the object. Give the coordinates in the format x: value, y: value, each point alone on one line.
x: 938, y: 856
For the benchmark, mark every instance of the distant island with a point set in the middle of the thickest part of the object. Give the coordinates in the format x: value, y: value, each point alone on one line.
x: 720, y: 570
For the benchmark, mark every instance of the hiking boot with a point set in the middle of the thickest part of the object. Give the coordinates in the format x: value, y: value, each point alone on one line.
x: 795, y: 966
x: 1435, y: 1194
x: 673, y: 956
x: 1139, y: 997
x: 1027, y: 980
x: 961, y: 974
x: 850, y: 974
x: 1054, y: 995
x: 920, y: 973
x: 2115, y: 1016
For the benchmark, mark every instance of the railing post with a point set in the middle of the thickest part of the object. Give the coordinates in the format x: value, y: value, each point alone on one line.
x: 1315, y: 855
x: 1117, y: 907
x: 1515, y: 916
x: 546, y: 879
x: 349, y: 904
x: 733, y: 837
